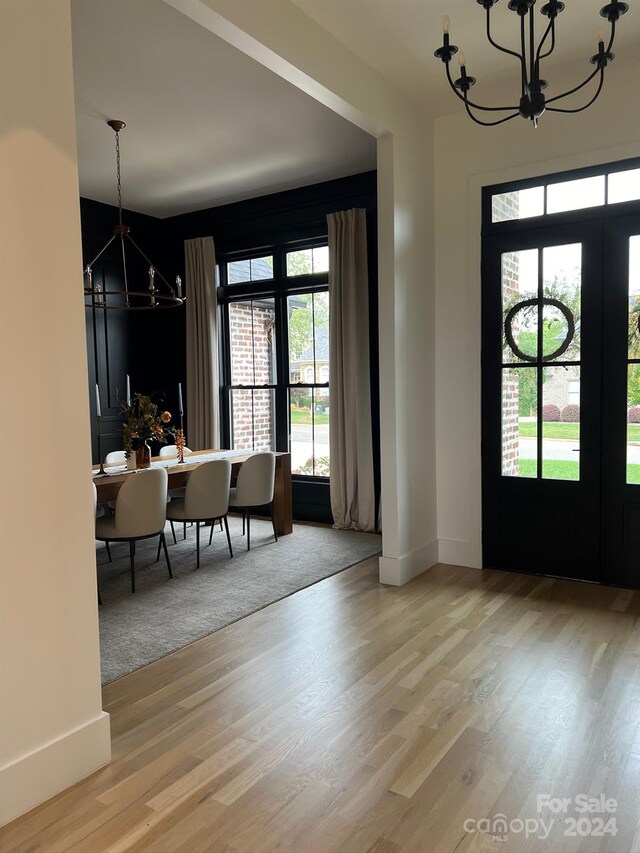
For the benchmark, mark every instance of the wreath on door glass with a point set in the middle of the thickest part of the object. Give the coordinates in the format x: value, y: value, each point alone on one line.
x: 526, y: 303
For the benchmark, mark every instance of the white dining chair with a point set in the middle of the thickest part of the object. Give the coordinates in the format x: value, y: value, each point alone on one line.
x: 115, y: 457
x: 171, y: 451
x: 206, y: 499
x: 141, y: 512
x: 98, y: 512
x: 254, y: 489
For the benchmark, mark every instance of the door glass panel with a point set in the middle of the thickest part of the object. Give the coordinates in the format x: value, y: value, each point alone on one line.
x: 519, y: 421
x: 624, y: 186
x: 575, y: 195
x: 634, y: 296
x: 561, y: 423
x: 520, y: 204
x: 633, y: 424
x: 519, y: 286
x: 562, y: 280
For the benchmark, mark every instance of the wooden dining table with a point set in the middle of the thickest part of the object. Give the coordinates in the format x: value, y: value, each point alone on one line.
x: 109, y: 484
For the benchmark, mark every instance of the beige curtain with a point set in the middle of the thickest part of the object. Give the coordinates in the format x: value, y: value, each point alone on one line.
x: 203, y: 422
x: 352, y: 489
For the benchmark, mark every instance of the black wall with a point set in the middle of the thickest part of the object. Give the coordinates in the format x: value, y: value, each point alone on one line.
x: 150, y: 346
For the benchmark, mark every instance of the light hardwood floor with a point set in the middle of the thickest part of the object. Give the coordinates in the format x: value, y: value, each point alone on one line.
x: 354, y: 717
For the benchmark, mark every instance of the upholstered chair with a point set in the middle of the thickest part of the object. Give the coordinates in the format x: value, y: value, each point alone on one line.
x: 206, y: 499
x: 254, y: 489
x: 141, y: 510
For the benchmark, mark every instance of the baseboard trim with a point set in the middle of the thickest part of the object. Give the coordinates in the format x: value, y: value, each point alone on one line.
x: 460, y: 552
x: 398, y: 571
x: 45, y: 772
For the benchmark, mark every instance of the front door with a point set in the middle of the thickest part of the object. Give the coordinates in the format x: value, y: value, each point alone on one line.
x: 542, y: 365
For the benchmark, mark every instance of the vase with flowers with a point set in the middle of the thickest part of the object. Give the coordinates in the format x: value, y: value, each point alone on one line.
x: 142, y: 424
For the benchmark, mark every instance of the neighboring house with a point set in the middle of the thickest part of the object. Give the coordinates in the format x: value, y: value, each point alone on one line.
x: 302, y: 368
x: 562, y: 387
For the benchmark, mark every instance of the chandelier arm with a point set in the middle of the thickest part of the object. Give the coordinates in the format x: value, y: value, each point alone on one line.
x: 151, y: 264
x: 539, y: 55
x: 487, y: 123
x: 495, y: 43
x: 471, y: 103
x: 588, y: 104
x: 612, y: 38
x: 102, y: 250
x: 124, y: 269
x: 576, y: 88
x: 523, y: 43
x: 532, y: 48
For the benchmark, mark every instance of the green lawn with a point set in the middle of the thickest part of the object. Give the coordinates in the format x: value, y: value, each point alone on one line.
x: 553, y: 469
x: 560, y: 430
x: 301, y: 416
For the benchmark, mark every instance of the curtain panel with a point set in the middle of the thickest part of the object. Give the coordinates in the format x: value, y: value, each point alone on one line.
x: 350, y: 436
x: 203, y: 417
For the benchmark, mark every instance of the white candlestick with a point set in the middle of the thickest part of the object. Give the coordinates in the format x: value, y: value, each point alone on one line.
x: 98, y: 409
x: 128, y: 391
x: 180, y: 409
x: 179, y: 286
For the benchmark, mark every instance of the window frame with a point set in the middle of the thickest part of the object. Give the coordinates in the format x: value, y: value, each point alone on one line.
x: 279, y: 289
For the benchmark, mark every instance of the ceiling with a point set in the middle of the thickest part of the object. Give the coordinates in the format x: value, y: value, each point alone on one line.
x: 206, y: 125
x: 400, y: 37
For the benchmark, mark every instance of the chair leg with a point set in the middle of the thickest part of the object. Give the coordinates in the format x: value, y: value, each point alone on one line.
x: 273, y: 521
x: 173, y: 533
x: 132, y: 559
x: 226, y: 527
x: 248, y: 531
x: 220, y: 522
x: 244, y: 520
x: 213, y: 524
x: 184, y: 530
x: 108, y: 552
x: 163, y: 541
x: 198, y: 545
x: 158, y: 554
x: 99, y: 596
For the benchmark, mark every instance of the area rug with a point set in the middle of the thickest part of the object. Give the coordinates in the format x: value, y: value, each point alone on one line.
x: 164, y: 615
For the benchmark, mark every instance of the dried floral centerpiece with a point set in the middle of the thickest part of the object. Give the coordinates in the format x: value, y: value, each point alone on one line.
x: 142, y: 423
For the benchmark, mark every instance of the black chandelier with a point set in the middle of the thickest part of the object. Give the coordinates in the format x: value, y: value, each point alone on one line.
x: 532, y: 100
x: 158, y: 294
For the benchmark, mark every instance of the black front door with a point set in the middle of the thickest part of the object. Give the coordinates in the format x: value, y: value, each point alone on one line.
x: 542, y: 431
x: 621, y: 403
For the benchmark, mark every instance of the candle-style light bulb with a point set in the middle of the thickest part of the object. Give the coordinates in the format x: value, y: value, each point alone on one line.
x: 445, y: 24
x: 152, y: 285
x: 600, y: 37
x: 461, y: 60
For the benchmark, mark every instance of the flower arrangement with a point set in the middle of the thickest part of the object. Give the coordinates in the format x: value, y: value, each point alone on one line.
x: 142, y: 422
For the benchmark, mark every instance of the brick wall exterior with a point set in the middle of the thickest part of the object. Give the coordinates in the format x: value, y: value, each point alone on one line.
x: 506, y: 207
x: 252, y: 363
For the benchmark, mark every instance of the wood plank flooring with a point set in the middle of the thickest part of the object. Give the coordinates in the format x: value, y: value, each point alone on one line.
x: 355, y: 717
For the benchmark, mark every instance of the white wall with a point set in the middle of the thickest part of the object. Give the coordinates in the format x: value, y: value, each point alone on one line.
x: 280, y: 36
x: 468, y: 157
x: 52, y: 729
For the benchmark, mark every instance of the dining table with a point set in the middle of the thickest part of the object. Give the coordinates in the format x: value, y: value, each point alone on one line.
x: 109, y: 483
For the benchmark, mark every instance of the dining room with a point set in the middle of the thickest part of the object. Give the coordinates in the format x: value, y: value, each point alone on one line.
x: 209, y: 333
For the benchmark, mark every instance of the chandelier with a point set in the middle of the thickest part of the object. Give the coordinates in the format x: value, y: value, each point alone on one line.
x: 532, y: 100
x: 158, y: 294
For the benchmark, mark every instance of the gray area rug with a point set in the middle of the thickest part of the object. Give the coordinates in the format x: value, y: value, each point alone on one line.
x: 165, y: 615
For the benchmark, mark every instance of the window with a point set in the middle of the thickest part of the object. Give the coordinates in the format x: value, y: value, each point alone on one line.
x: 612, y: 185
x: 250, y: 269
x: 275, y: 367
x: 573, y: 392
x: 308, y: 321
